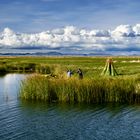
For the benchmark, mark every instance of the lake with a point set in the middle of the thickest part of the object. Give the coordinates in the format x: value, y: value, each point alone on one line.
x: 24, y: 120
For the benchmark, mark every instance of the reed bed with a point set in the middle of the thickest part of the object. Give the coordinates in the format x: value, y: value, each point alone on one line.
x: 88, y: 90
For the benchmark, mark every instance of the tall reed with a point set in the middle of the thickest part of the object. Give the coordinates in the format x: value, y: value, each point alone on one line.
x: 97, y: 90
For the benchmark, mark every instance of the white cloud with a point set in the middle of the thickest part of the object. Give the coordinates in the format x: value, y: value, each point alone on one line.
x: 124, y: 30
x: 122, y: 37
x: 136, y: 29
x: 9, y: 38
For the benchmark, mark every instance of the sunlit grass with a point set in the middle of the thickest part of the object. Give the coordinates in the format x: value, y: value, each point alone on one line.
x: 91, y: 66
x: 94, y: 90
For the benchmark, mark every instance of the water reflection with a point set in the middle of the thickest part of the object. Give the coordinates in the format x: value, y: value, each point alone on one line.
x: 9, y: 86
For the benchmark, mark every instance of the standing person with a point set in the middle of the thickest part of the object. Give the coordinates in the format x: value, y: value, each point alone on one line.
x: 69, y: 73
x: 80, y: 73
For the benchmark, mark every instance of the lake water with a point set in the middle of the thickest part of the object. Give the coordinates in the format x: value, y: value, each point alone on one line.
x: 22, y: 120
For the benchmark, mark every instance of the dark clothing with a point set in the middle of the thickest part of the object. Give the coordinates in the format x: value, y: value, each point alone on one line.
x: 80, y: 73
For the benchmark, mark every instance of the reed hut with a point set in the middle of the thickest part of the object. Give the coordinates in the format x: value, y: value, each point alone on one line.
x: 109, y: 69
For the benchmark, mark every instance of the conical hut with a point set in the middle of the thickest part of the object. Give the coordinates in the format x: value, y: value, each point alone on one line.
x: 109, y: 69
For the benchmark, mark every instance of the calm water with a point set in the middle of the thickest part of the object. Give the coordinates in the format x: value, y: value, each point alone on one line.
x: 42, y: 121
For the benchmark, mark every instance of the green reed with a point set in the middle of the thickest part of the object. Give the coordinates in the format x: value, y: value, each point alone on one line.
x: 97, y: 90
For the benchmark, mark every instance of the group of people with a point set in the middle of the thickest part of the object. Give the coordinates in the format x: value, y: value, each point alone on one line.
x: 79, y: 71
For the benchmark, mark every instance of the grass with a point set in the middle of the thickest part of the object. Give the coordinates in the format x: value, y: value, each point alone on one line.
x: 94, y: 90
x: 91, y: 66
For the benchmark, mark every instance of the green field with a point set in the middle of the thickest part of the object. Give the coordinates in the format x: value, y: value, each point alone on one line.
x: 91, y: 66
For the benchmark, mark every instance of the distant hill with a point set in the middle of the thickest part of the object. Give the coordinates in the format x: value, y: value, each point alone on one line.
x: 55, y: 53
x: 31, y: 54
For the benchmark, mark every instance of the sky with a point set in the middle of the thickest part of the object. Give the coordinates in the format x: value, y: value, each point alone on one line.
x: 70, y: 25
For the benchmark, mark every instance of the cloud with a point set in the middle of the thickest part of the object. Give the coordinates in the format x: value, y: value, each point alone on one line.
x: 123, y: 37
x: 124, y: 30
x: 136, y: 29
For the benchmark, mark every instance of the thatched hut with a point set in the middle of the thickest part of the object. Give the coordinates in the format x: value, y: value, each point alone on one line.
x: 109, y: 69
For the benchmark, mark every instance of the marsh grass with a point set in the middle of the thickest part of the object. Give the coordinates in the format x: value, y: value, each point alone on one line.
x: 91, y: 66
x: 88, y: 90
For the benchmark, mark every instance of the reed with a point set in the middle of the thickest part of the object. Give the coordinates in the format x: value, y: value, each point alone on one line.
x: 98, y: 90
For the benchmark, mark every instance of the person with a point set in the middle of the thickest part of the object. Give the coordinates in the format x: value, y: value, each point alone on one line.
x: 80, y: 73
x: 69, y: 73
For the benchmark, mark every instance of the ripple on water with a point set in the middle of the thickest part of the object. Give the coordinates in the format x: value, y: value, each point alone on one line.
x: 43, y: 121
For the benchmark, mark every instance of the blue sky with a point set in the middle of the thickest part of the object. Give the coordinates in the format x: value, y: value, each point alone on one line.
x: 71, y: 25
x: 39, y: 15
